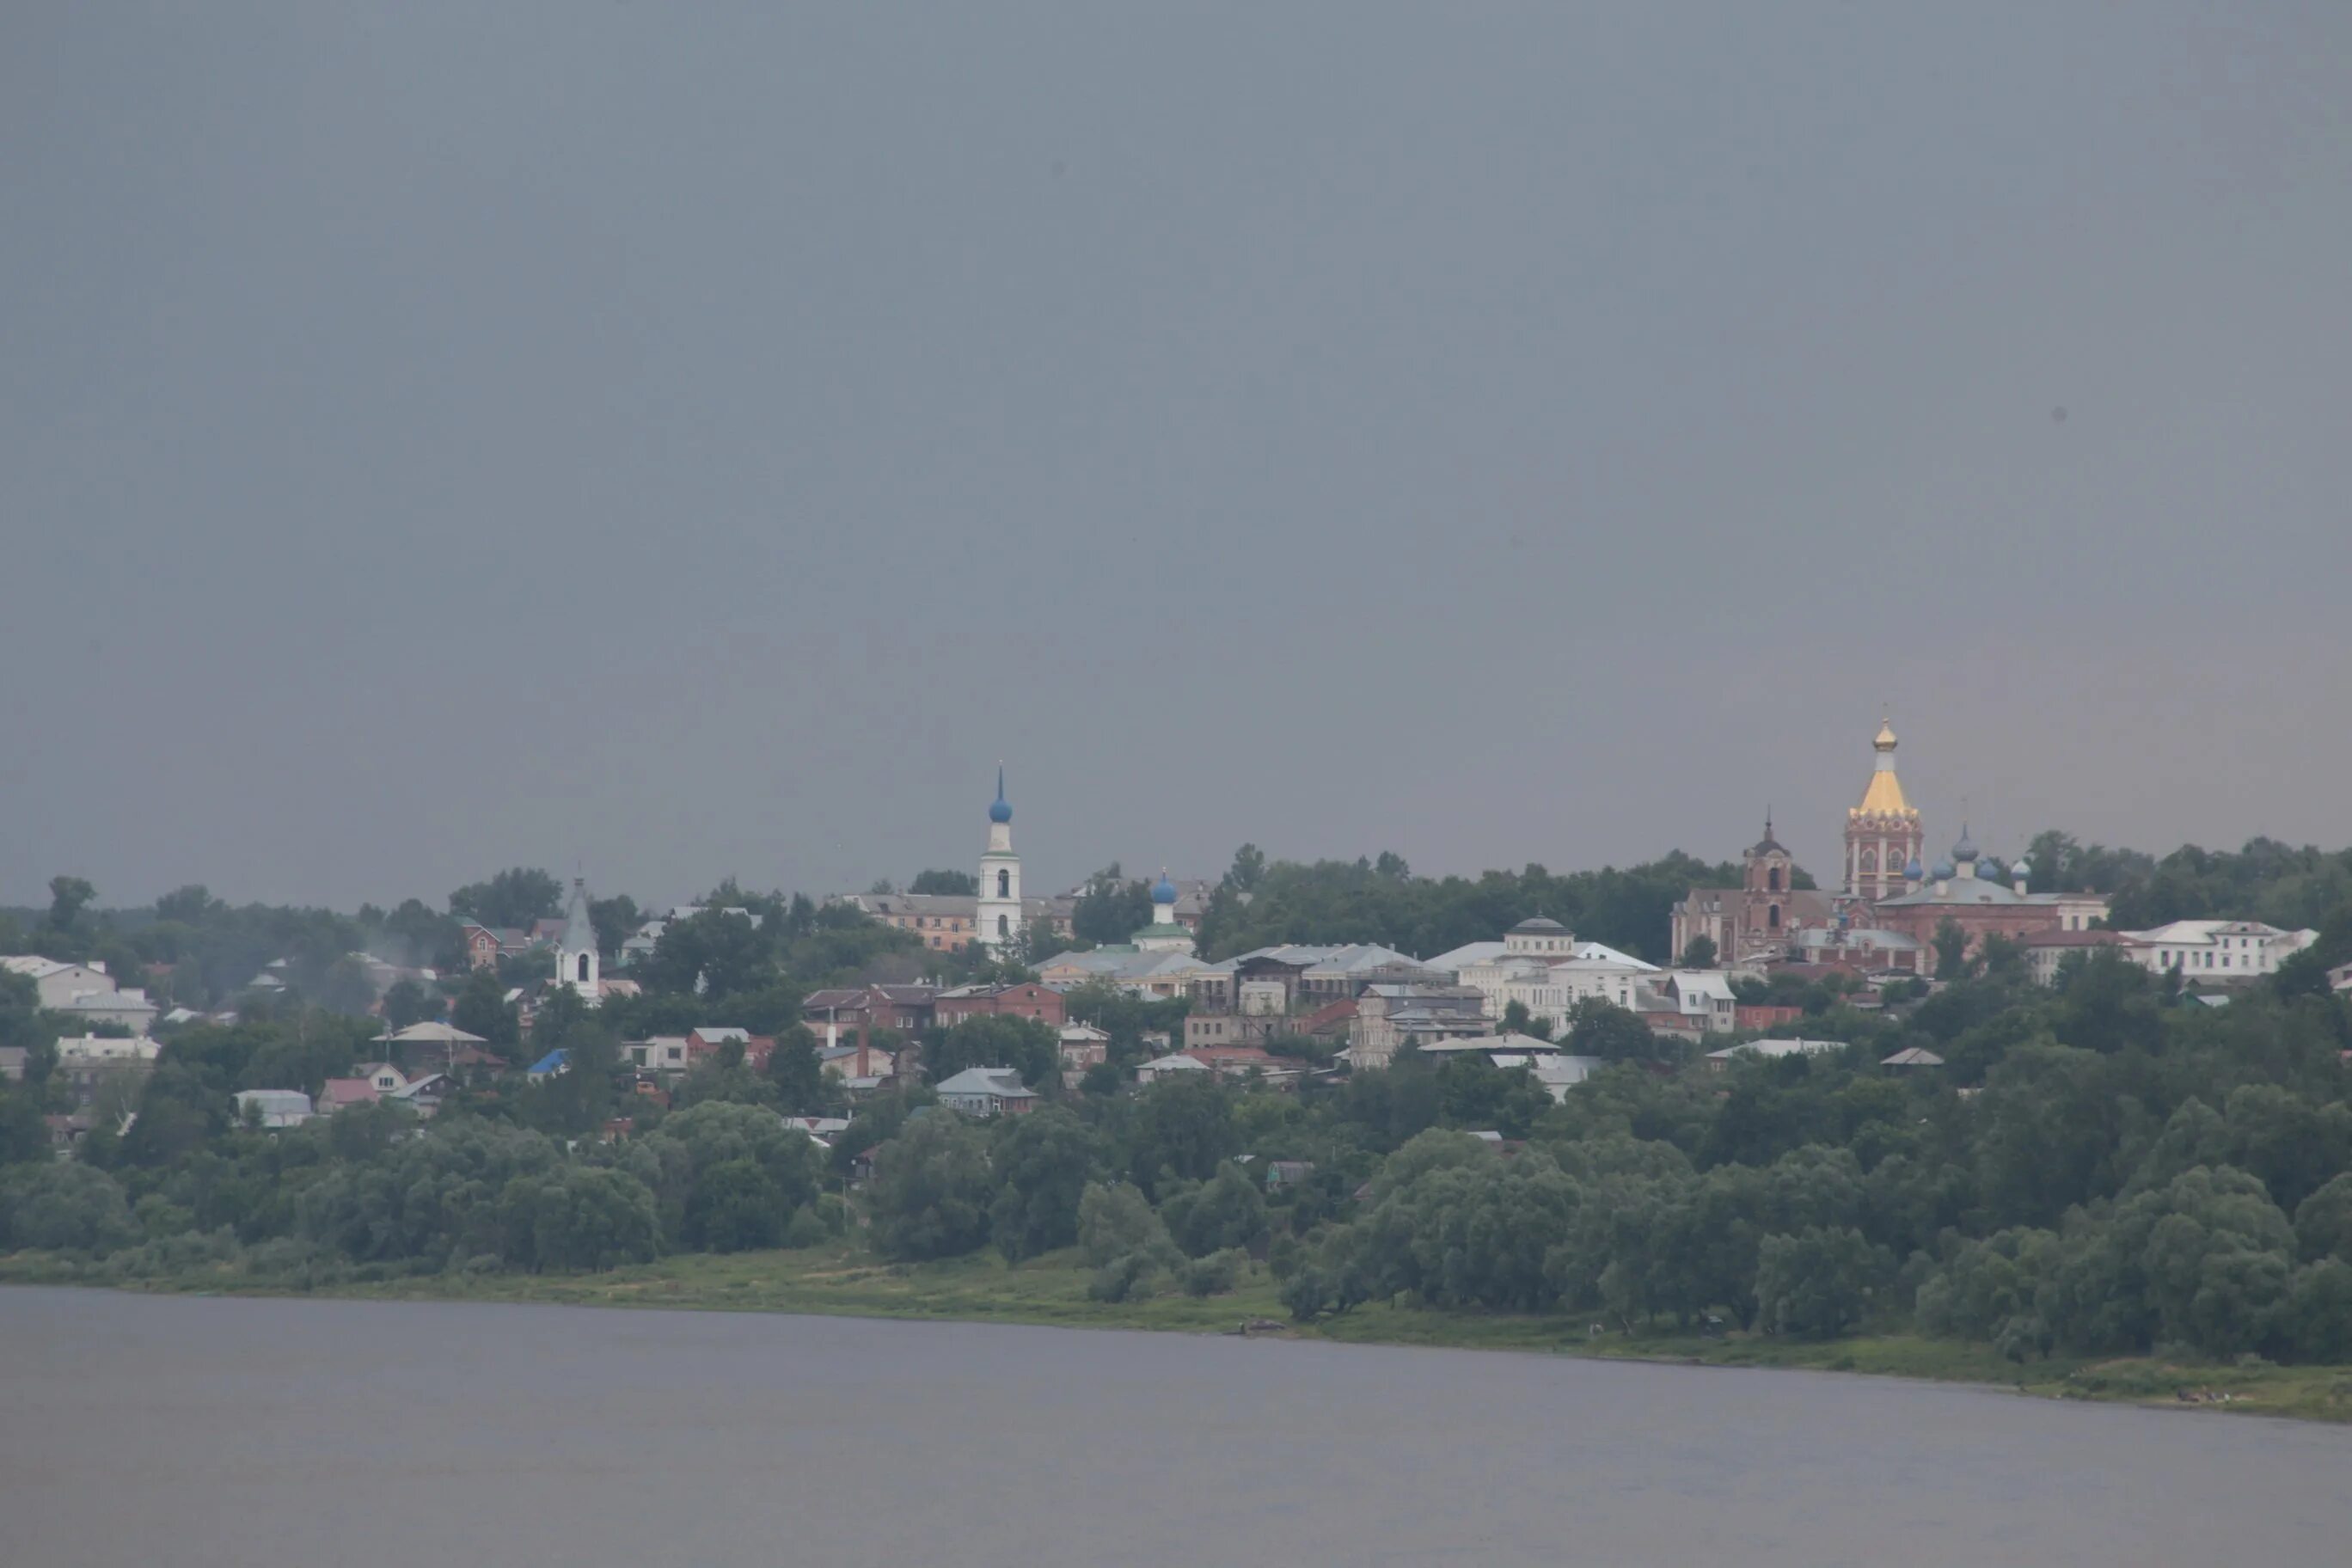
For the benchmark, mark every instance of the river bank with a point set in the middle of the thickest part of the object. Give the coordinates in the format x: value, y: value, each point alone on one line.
x: 1052, y: 1290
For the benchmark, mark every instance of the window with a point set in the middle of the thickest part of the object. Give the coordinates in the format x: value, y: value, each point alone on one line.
x: 1772, y: 915
x: 1004, y: 885
x: 583, y: 969
x: 1004, y: 925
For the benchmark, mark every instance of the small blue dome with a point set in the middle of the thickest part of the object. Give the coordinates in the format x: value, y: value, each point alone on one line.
x: 1966, y: 849
x: 1163, y: 891
x: 1915, y: 872
x: 1944, y: 872
x: 1003, y: 810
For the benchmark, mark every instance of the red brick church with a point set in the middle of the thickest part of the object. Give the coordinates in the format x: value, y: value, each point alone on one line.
x: 1885, y: 888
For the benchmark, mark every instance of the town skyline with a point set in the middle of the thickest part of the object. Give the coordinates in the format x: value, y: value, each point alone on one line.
x: 1811, y: 828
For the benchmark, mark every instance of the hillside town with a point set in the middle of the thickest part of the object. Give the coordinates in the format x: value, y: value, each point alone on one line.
x: 1748, y: 963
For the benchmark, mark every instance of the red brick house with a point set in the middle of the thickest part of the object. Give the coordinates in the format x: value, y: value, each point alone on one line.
x: 1028, y: 1000
x: 844, y: 1010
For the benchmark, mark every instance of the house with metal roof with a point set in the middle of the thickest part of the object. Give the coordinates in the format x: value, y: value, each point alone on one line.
x: 1720, y: 1061
x: 988, y: 1091
x: 273, y: 1108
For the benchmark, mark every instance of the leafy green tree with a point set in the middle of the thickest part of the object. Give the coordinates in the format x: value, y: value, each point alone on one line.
x: 616, y: 920
x: 1598, y: 1028
x: 1247, y: 870
x: 191, y: 905
x: 1223, y: 1212
x: 2323, y: 1222
x: 515, y: 897
x: 736, y: 1206
x: 24, y: 1136
x: 20, y: 1007
x: 405, y: 1003
x: 1116, y: 1218
x: 1480, y: 1232
x: 691, y: 1144
x: 1477, y: 1095
x: 1817, y: 1283
x: 1951, y: 944
x: 70, y: 1208
x: 1215, y: 1275
x: 578, y: 1217
x: 801, y: 1085
x: 715, y: 951
x: 1699, y: 953
x: 1028, y: 1047
x: 416, y: 934
x: 932, y: 1191
x: 346, y: 988
x: 69, y: 896
x: 1044, y: 1161
x: 2317, y: 1320
x: 1113, y: 907
x: 482, y: 1009
x: 1180, y: 1129
x: 955, y: 884
x: 1125, y: 1243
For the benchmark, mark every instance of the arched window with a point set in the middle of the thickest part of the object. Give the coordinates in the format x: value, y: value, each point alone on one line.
x: 1772, y: 917
x: 1004, y: 886
x: 583, y: 969
x: 1004, y: 925
x: 1869, y: 859
x: 1772, y: 881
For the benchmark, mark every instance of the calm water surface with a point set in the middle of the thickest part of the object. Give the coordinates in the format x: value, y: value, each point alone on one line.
x: 251, y: 1433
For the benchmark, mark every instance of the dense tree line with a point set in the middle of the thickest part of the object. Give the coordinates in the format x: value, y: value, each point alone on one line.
x: 1260, y: 904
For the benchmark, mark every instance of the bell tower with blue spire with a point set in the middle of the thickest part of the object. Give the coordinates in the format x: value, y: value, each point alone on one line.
x: 998, y: 923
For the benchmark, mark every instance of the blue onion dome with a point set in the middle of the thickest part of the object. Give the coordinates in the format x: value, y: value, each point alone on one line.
x: 1163, y: 891
x: 1915, y: 872
x: 1003, y: 810
x: 1990, y: 867
x: 1966, y: 849
x: 1944, y: 871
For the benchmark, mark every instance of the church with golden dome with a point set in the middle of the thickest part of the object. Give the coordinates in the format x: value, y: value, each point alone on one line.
x: 1883, y: 838
x: 1888, y: 906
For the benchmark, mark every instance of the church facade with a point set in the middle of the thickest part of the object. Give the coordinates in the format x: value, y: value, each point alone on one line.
x: 1757, y: 921
x: 1882, y: 887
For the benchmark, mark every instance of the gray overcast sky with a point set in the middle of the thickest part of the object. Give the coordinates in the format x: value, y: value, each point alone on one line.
x: 685, y: 441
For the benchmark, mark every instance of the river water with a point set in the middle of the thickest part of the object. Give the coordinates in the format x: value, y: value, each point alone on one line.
x: 251, y: 1433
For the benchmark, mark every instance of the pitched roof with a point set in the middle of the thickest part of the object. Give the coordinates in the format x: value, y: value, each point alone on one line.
x: 1000, y: 1081
x: 1777, y: 1048
x: 579, y: 930
x: 433, y: 1032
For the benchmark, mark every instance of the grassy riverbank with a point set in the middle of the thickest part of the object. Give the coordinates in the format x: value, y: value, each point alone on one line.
x: 1053, y: 1290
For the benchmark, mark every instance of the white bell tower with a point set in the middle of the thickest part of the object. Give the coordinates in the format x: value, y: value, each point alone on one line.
x: 576, y: 962
x: 997, y: 923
